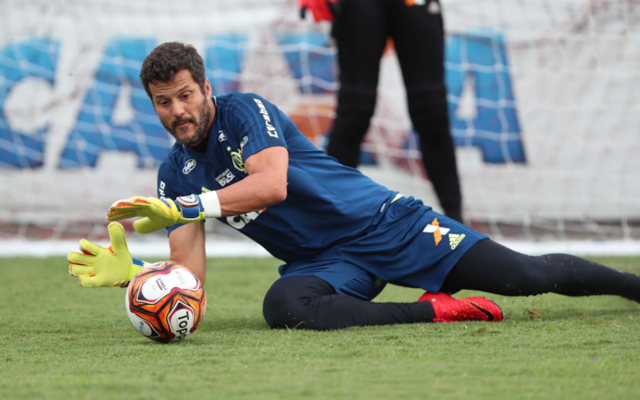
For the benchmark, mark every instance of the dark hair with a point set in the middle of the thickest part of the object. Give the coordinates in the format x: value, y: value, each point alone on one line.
x: 169, y: 58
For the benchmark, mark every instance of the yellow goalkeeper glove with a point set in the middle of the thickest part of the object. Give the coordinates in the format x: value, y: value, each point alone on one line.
x: 157, y: 213
x: 96, y: 266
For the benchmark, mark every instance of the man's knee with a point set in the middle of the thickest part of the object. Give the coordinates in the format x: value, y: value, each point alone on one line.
x: 287, y: 303
x: 428, y: 106
x: 278, y: 304
x: 356, y: 105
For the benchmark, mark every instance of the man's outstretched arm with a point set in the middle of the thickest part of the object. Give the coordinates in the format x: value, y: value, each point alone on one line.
x: 187, y: 248
x: 96, y: 266
x: 265, y: 185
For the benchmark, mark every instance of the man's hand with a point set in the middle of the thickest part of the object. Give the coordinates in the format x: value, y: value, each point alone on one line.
x: 99, y: 267
x: 323, y: 10
x: 157, y: 213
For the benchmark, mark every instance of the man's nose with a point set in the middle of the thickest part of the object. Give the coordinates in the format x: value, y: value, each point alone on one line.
x: 177, y: 109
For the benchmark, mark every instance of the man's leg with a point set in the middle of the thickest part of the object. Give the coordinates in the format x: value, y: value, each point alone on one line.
x: 360, y: 31
x: 419, y: 40
x: 491, y: 267
x: 309, y: 302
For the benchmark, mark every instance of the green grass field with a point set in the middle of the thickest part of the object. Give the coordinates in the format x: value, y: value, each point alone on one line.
x: 61, y: 341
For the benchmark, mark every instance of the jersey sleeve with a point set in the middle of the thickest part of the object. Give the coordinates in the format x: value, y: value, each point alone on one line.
x: 258, y: 123
x: 166, y: 187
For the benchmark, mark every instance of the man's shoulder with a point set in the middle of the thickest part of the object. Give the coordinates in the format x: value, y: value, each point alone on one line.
x: 236, y: 97
x: 239, y: 102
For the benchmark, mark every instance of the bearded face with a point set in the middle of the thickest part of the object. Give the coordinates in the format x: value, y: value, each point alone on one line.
x: 181, y: 125
x: 184, y: 110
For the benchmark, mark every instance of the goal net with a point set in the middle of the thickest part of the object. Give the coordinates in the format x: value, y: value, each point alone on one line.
x: 544, y: 103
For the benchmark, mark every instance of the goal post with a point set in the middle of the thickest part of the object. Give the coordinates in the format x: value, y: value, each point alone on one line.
x: 544, y: 101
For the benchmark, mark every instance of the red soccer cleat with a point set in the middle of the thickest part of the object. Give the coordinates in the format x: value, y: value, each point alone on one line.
x: 448, y: 309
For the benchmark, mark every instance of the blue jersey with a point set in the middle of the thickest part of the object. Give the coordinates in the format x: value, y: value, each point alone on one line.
x: 327, y: 203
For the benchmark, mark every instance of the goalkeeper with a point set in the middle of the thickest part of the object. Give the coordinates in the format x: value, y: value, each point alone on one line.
x: 342, y: 237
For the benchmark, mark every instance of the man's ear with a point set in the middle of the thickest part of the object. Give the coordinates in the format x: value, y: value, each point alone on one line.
x: 207, y: 87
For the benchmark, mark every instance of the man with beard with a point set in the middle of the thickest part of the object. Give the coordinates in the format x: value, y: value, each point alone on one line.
x: 342, y: 237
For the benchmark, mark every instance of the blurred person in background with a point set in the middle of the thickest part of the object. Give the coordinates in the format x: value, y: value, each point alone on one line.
x: 361, y: 29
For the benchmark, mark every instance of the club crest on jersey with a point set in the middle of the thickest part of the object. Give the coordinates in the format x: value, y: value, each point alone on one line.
x: 189, y: 165
x: 236, y: 158
x: 221, y: 137
x: 271, y: 131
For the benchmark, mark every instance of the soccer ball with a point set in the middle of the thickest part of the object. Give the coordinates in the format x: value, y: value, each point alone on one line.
x: 165, y: 302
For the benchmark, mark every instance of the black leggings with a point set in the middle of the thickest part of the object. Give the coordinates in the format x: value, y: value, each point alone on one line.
x: 311, y: 303
x: 361, y: 31
x: 493, y: 268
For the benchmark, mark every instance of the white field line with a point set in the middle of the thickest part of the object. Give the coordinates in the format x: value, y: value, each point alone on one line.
x: 242, y: 248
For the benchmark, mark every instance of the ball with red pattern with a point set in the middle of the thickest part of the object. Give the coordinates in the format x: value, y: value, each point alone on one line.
x: 165, y: 302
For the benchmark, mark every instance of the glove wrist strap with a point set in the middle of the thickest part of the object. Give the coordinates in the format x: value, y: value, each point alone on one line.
x: 190, y: 207
x: 211, y: 204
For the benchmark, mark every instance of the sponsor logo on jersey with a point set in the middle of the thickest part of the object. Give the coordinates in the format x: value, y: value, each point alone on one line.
x: 438, y: 231
x: 161, y: 189
x: 221, y: 137
x: 244, y: 141
x: 270, y: 129
x: 240, y: 221
x: 189, y: 165
x: 455, y: 239
x: 225, y: 178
